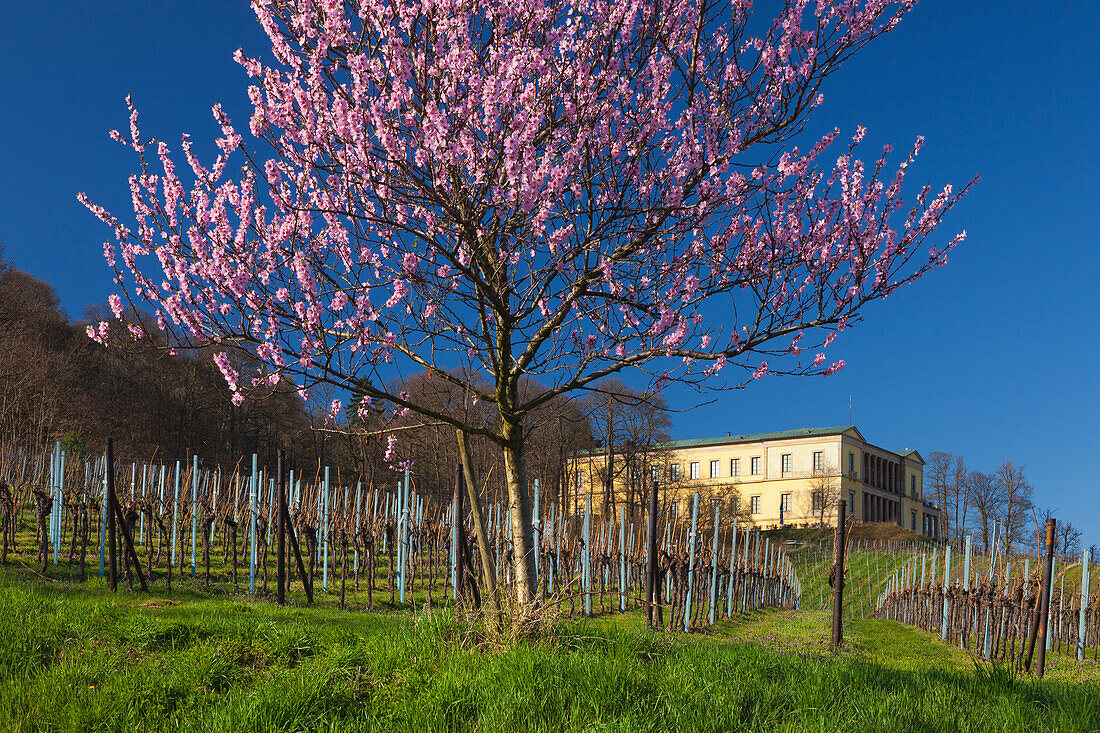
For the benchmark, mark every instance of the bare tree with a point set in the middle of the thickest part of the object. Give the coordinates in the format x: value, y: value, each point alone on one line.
x: 645, y: 425
x: 935, y: 480
x: 630, y: 425
x: 824, y: 494
x: 1067, y: 539
x: 1016, y: 502
x: 605, y: 402
x: 430, y: 444
x: 948, y: 491
x: 987, y: 498
x: 558, y: 429
x: 958, y: 489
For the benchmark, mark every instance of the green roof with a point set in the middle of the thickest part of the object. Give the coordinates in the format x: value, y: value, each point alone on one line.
x: 909, y: 452
x: 747, y: 438
x: 758, y: 437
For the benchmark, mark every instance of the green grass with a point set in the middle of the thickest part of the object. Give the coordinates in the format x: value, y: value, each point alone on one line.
x: 220, y: 583
x: 76, y: 658
x: 868, y: 570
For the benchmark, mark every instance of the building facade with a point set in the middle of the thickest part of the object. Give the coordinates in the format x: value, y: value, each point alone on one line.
x: 792, y: 477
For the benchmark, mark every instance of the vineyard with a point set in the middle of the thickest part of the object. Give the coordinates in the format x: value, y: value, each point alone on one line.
x: 378, y: 580
x: 994, y: 606
x: 148, y: 523
x: 217, y: 528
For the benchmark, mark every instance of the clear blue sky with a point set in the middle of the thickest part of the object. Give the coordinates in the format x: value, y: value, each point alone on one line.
x: 993, y: 357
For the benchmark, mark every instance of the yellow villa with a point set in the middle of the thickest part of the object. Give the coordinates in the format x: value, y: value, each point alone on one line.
x: 791, y: 477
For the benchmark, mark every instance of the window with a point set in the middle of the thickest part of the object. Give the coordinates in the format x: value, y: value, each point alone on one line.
x: 754, y: 466
x: 819, y: 501
x: 852, y: 503
x: 674, y: 509
x: 735, y: 504
x: 674, y: 472
x: 754, y: 505
x: 819, y: 460
x: 714, y: 469
x: 786, y: 463
x: 654, y: 473
x: 580, y: 481
x: 695, y: 469
x: 913, y: 524
x: 913, y: 485
x: 851, y: 463
x: 785, y: 503
x: 735, y: 467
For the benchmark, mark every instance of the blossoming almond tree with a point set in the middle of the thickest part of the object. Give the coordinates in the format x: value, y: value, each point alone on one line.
x: 551, y: 190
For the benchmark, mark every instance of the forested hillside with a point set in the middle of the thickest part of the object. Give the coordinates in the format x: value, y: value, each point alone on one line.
x: 57, y: 384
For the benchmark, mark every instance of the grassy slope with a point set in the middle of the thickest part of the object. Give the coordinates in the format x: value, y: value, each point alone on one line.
x: 78, y: 659
x: 870, y: 568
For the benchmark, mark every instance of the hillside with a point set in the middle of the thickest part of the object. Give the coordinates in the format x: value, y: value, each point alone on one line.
x: 80, y: 660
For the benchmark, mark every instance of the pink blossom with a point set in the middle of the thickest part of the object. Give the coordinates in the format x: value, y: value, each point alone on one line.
x: 227, y: 370
x: 116, y: 304
x: 554, y: 185
x: 677, y: 335
x: 400, y: 289
x: 99, y: 336
x: 363, y: 410
x: 100, y: 333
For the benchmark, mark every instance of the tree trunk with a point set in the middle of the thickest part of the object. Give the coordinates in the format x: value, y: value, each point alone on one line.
x: 519, y: 513
x: 488, y: 567
x: 609, y: 462
x: 85, y: 529
x: 43, y: 503
x: 7, y: 515
x: 344, y: 567
x: 389, y: 555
